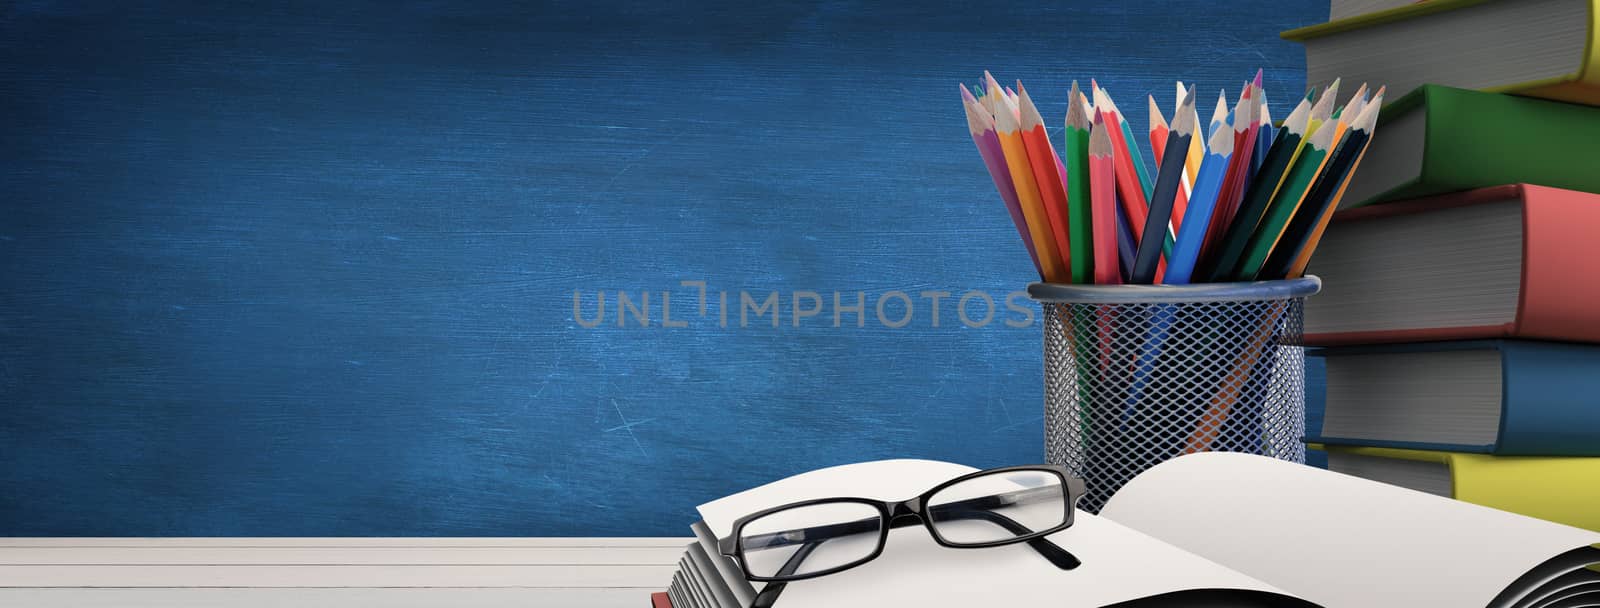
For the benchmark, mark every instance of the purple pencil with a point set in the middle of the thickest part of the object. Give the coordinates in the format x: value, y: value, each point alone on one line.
x: 981, y: 125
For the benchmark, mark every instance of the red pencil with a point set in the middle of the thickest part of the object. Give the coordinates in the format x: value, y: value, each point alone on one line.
x: 1134, y: 205
x: 1103, y: 197
x: 1041, y: 158
x: 1158, y: 130
x: 1244, y: 122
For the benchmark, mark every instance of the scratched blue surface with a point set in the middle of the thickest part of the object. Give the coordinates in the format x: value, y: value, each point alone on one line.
x: 308, y: 268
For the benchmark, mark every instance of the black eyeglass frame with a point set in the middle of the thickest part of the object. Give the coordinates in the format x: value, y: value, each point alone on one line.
x: 892, y: 513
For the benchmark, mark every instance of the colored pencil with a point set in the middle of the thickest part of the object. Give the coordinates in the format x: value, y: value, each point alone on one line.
x: 1284, y: 204
x: 1206, y: 188
x: 1323, y: 109
x: 1134, y: 203
x: 1364, y: 126
x: 1103, y: 194
x: 1222, y: 216
x: 1219, y: 116
x: 1260, y: 195
x: 1166, y: 191
x: 1158, y: 131
x: 1244, y: 148
x: 1047, y: 173
x: 1264, y: 136
x: 1127, y: 246
x: 1158, y: 144
x: 1016, y: 153
x: 1079, y: 196
x: 1236, y: 236
x: 1135, y: 155
x: 981, y: 125
x: 1352, y: 109
x: 1191, y: 167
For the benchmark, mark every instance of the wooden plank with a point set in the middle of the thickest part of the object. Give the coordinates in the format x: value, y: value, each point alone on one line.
x: 371, y: 555
x: 432, y: 542
x: 326, y: 598
x: 335, y: 576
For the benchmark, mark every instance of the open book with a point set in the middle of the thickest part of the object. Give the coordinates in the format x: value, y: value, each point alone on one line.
x: 1205, y: 530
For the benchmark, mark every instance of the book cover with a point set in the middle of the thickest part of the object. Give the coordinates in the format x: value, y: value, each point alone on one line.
x: 1471, y: 139
x: 1549, y: 398
x: 1559, y: 489
x: 1559, y: 282
x: 1579, y: 83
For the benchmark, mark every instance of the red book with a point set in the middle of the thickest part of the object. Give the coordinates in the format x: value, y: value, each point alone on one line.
x: 659, y: 600
x: 1511, y: 261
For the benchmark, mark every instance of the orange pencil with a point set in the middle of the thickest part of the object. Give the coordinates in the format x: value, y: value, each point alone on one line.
x: 1016, y: 152
x: 1304, y: 258
x: 1041, y: 158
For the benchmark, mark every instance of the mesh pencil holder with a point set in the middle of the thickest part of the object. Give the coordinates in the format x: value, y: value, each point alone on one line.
x: 1138, y: 374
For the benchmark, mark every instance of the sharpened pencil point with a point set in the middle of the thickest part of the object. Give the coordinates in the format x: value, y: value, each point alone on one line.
x: 1183, y: 120
x: 1368, y: 120
x: 1099, y: 140
x: 1221, y: 143
x: 1077, y: 113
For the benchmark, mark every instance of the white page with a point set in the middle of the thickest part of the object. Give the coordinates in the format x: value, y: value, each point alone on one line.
x: 1337, y: 540
x: 881, y: 479
x: 1118, y: 564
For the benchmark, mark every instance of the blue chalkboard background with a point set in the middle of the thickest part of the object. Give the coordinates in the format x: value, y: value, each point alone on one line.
x: 308, y: 268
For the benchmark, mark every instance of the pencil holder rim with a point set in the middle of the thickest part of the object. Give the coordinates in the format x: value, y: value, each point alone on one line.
x: 1285, y: 289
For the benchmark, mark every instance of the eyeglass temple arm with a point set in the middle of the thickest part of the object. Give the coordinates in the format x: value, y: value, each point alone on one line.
x: 1061, y: 558
x: 868, y: 526
x: 770, y: 593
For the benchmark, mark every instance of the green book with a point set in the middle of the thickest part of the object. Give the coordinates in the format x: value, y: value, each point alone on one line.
x: 1441, y: 139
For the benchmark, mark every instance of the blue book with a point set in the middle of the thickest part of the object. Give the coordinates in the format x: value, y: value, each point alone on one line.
x: 1502, y: 397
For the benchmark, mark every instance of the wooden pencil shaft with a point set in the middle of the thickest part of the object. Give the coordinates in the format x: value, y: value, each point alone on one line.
x: 1283, y: 207
x: 1300, y: 226
x: 1243, y: 223
x: 1149, y: 254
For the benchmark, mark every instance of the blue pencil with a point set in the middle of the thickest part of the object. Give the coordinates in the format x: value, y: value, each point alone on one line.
x: 1264, y: 140
x: 1148, y: 255
x: 1202, y: 203
x: 1127, y: 251
x: 1220, y: 116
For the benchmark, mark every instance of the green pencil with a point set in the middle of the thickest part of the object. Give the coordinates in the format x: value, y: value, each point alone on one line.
x: 1079, y: 222
x: 1283, y: 206
x: 1282, y: 155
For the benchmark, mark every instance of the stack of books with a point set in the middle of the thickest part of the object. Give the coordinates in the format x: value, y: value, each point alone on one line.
x: 1461, y: 302
x: 1207, y: 529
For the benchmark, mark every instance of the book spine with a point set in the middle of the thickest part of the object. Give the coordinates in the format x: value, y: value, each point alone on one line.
x: 1477, y: 139
x: 1582, y: 86
x: 1560, y: 295
x: 1548, y: 400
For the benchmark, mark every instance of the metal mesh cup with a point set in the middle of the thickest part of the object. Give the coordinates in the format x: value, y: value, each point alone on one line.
x: 1137, y: 374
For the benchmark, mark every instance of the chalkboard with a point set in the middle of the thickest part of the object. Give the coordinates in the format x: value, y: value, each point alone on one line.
x: 327, y: 268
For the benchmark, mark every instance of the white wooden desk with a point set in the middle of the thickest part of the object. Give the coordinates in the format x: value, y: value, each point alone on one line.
x: 325, y: 572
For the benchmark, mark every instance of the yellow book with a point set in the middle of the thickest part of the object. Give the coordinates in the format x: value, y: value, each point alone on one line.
x: 1555, y: 488
x: 1540, y: 48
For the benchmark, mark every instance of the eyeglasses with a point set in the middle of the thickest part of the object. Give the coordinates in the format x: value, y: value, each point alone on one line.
x: 987, y: 508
